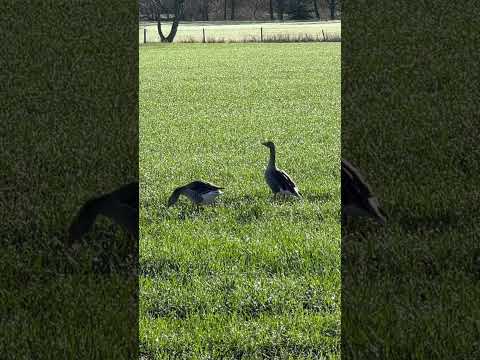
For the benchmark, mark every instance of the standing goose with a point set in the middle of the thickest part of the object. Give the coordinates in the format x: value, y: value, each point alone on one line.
x: 121, y: 206
x: 278, y: 180
x: 357, y: 198
x: 199, y: 192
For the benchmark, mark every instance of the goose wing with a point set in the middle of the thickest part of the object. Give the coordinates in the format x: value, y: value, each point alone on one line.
x: 203, y: 187
x: 123, y: 215
x: 353, y: 183
x: 355, y: 190
x: 285, y: 182
x: 127, y: 194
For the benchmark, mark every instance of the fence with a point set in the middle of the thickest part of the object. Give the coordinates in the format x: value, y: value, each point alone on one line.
x: 268, y: 32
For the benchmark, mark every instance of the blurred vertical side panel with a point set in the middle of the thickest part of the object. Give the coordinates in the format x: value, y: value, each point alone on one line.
x: 68, y: 134
x: 410, y: 125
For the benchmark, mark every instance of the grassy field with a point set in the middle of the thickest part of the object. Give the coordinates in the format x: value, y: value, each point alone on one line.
x: 241, y: 30
x: 249, y: 277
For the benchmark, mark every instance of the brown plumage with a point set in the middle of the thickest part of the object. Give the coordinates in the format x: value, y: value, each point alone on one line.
x: 357, y: 197
x: 278, y: 180
x: 199, y: 192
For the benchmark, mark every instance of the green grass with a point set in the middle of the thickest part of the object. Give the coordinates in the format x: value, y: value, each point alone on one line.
x: 238, y: 31
x: 248, y: 277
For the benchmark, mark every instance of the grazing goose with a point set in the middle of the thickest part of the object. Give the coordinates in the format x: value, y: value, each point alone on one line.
x: 357, y: 198
x: 121, y: 206
x: 278, y: 180
x: 199, y: 192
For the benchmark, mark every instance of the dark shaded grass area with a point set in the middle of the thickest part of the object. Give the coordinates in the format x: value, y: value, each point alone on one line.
x: 410, y: 122
x: 69, y: 130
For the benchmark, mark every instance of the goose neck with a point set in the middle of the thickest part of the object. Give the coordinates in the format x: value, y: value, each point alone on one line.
x: 271, y: 162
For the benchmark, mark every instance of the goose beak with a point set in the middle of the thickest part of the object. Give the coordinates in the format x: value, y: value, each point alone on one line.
x: 381, y: 220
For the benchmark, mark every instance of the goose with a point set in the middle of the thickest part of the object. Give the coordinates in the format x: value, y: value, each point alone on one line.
x: 199, y: 192
x: 121, y: 206
x: 278, y: 180
x: 357, y: 198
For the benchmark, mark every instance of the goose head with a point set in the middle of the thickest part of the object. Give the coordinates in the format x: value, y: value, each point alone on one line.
x: 172, y: 199
x: 269, y: 144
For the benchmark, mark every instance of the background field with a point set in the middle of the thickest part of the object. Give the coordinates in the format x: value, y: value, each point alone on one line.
x: 250, y: 276
x: 237, y: 31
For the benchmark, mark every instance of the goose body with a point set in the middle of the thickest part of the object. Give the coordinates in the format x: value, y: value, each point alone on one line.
x: 357, y: 197
x: 121, y: 206
x: 278, y: 180
x: 199, y: 192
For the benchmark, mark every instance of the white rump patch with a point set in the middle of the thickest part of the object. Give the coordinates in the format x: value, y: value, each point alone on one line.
x: 210, y: 196
x: 289, y: 193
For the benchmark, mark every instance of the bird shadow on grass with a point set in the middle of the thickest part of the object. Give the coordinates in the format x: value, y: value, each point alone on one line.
x: 312, y: 198
x: 319, y: 198
x: 181, y: 212
x: 248, y: 208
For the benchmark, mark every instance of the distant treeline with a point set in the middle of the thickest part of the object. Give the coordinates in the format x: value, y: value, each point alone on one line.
x: 209, y: 10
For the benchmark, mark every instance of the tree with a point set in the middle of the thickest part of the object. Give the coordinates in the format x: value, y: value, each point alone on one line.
x: 157, y: 8
x: 332, y: 5
x: 179, y: 7
x: 280, y: 8
x: 270, y: 8
x: 299, y: 10
x: 253, y: 8
x: 315, y: 7
x: 205, y: 9
x: 232, y: 17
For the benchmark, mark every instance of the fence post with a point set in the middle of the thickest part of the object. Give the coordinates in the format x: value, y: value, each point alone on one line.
x: 261, y: 34
x: 145, y: 36
x: 203, y: 29
x: 323, y: 35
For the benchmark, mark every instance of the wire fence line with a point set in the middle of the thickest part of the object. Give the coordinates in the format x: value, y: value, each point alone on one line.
x: 246, y: 33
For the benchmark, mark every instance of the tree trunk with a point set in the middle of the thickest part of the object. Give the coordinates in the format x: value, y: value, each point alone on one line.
x: 271, y: 9
x: 173, y: 31
x: 315, y: 6
x: 204, y: 10
x: 332, y: 6
x: 179, y: 7
x: 225, y: 10
x: 233, y: 10
x: 281, y: 9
